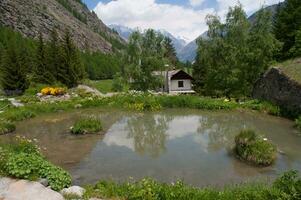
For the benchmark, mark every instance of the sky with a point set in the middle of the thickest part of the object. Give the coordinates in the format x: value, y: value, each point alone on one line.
x: 182, y: 18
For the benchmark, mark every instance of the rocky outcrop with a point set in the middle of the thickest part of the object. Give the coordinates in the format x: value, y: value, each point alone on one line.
x: 30, y: 17
x: 276, y: 87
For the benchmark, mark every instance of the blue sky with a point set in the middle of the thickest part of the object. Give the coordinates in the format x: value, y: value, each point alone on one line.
x: 182, y: 18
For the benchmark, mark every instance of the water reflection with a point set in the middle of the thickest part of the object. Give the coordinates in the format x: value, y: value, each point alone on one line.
x: 150, y: 136
x: 173, y: 144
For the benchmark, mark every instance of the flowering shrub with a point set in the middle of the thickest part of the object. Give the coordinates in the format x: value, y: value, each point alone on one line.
x: 53, y: 91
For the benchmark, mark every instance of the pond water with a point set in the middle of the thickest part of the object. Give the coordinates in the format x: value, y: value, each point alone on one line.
x: 189, y: 145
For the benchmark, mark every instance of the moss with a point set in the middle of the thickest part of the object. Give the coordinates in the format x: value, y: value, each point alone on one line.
x: 87, y: 126
x: 254, y: 149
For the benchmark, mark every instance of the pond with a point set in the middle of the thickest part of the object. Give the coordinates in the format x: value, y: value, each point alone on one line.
x: 189, y: 145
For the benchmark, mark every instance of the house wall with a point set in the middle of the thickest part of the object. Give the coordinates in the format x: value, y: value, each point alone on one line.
x: 174, y: 85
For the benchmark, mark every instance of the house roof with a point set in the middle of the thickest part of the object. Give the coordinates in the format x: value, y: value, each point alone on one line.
x: 174, y: 74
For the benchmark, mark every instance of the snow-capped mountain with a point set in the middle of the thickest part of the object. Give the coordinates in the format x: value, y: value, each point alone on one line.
x: 125, y: 32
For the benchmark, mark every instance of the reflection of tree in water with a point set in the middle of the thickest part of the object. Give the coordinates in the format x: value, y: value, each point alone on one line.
x: 221, y: 129
x: 149, y: 133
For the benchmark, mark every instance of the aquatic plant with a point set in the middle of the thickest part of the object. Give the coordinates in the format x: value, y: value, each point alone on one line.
x: 287, y: 186
x: 22, y: 159
x: 86, y: 126
x: 6, y: 127
x: 254, y: 149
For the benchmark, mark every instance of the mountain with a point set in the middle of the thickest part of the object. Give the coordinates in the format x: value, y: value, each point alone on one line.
x: 32, y: 17
x: 188, y: 53
x: 125, y: 33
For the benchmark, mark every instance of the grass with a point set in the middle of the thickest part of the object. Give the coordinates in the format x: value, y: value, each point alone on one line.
x: 140, y: 102
x: 253, y: 149
x: 287, y: 186
x: 292, y: 68
x: 104, y: 86
x: 87, y: 126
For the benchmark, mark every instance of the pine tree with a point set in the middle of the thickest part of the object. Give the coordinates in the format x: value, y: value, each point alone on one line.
x: 42, y: 74
x: 71, y: 71
x: 170, y: 51
x: 53, y: 55
x: 13, y: 78
x: 287, y: 23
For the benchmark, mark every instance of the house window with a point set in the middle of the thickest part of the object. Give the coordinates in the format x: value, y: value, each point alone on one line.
x: 180, y: 84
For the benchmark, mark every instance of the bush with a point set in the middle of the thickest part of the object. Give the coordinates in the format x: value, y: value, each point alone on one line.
x: 7, y: 127
x: 86, y: 126
x: 22, y: 159
x: 254, y: 149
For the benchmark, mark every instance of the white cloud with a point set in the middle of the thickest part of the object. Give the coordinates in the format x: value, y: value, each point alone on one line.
x: 179, y: 20
x: 145, y: 14
x: 196, y: 2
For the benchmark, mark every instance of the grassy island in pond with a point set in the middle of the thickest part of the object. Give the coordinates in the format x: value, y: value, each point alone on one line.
x: 254, y: 149
x: 87, y: 126
x: 6, y: 127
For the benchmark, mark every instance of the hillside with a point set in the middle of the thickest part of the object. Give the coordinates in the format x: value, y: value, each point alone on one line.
x: 31, y: 17
x: 292, y: 68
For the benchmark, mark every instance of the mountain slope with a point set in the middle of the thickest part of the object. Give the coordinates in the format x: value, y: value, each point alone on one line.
x: 30, y: 17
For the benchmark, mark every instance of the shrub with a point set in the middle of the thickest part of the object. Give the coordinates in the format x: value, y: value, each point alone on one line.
x: 7, y: 127
x: 53, y: 91
x: 22, y: 159
x: 254, y: 149
x: 298, y: 123
x: 86, y: 126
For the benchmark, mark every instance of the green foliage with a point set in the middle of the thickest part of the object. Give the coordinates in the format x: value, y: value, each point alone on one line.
x: 235, y: 54
x: 252, y: 148
x: 71, y: 70
x: 298, y: 123
x: 6, y: 127
x: 22, y: 159
x: 86, y: 126
x: 147, y: 53
x: 13, y: 62
x: 285, y: 187
x: 73, y: 11
x: 101, y: 66
x: 287, y: 26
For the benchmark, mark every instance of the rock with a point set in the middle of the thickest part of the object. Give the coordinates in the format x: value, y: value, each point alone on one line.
x: 95, y: 199
x: 26, y: 190
x: 73, y: 190
x: 44, y: 182
x: 78, y: 106
x: 15, y: 102
x: 277, y: 87
x: 89, y: 90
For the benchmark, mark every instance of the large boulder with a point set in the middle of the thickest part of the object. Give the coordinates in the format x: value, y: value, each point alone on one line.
x: 26, y: 190
x: 275, y: 86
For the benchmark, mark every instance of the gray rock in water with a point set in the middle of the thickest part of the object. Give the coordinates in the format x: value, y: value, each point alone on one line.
x: 26, y: 190
x: 74, y: 190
